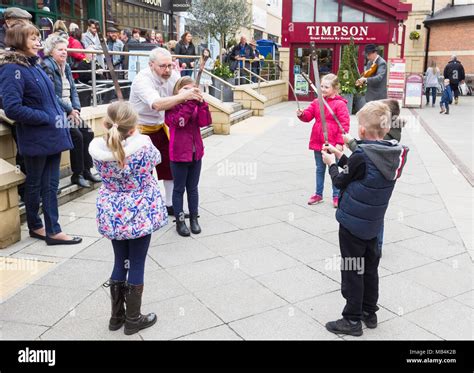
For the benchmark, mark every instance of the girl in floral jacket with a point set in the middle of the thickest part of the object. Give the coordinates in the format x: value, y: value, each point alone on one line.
x: 129, y: 209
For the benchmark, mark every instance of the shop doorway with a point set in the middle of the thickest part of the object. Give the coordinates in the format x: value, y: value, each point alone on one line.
x: 301, y: 62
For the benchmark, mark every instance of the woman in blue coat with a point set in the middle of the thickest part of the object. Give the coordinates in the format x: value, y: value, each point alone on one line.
x: 29, y: 99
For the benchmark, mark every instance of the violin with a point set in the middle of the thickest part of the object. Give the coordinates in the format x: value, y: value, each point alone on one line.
x: 368, y: 73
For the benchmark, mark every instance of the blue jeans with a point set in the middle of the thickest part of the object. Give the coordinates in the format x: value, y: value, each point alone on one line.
x: 320, y: 173
x: 187, y: 72
x: 433, y: 95
x: 444, y: 103
x: 186, y: 176
x: 42, y: 181
x: 130, y: 256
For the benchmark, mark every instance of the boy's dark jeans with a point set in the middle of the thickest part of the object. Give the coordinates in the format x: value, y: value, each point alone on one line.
x: 42, y: 181
x: 186, y: 176
x: 359, y: 275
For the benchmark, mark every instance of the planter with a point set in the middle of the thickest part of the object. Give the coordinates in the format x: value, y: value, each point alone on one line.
x: 228, y: 94
x: 350, y: 100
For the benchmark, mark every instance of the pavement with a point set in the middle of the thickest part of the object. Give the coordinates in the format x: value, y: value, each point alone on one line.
x: 266, y: 264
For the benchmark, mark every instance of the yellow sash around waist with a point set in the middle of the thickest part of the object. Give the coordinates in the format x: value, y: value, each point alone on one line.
x: 146, y: 129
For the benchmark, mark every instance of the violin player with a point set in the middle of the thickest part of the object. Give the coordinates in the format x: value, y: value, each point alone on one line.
x: 375, y: 75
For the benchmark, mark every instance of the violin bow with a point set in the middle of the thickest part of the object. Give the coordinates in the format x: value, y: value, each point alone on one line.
x: 314, y: 61
x: 313, y: 87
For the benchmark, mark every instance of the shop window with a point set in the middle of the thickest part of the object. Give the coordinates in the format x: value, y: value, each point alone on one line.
x: 303, y: 11
x: 65, y: 7
x: 327, y: 10
x: 350, y: 14
x: 26, y: 3
x: 257, y: 34
x: 273, y: 37
x: 371, y: 18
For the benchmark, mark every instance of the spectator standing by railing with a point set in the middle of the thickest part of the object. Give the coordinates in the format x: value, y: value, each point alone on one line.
x: 208, y: 62
x: 90, y: 40
x: 76, y: 59
x: 116, y: 45
x: 56, y: 67
x: 186, y: 47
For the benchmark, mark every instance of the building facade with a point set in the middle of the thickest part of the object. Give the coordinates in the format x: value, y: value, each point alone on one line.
x: 331, y: 24
x: 46, y: 12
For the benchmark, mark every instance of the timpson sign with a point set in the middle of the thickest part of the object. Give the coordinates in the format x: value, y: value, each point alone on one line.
x: 332, y: 32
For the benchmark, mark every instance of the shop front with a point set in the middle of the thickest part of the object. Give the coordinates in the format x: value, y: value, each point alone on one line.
x: 145, y: 14
x: 331, y: 24
x: 46, y: 12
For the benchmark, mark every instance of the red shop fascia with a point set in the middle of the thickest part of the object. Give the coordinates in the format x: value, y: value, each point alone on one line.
x: 382, y: 24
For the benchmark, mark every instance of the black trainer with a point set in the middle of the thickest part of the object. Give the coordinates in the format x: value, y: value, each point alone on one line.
x: 344, y: 326
x: 370, y: 320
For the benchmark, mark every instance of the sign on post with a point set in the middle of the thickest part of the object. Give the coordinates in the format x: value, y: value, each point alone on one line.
x: 413, y: 91
x: 396, y: 78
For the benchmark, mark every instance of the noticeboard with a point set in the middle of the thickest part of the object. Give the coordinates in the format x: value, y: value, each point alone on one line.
x: 413, y: 91
x: 396, y: 79
x: 301, y: 85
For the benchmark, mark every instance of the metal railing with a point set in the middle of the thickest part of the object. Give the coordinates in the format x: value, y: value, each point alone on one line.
x: 99, y: 86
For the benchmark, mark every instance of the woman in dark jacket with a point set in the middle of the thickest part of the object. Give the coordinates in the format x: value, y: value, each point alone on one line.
x: 29, y: 99
x: 186, y: 47
x: 58, y: 70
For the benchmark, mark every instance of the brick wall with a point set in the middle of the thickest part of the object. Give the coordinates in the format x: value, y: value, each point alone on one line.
x: 450, y: 37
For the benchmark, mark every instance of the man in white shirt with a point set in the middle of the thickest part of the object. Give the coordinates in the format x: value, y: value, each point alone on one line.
x: 151, y: 95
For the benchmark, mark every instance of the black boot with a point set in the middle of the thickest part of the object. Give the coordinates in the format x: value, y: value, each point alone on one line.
x: 134, y: 320
x: 181, y: 227
x: 117, y: 295
x: 447, y: 110
x: 193, y: 222
x: 88, y: 176
x: 79, y: 180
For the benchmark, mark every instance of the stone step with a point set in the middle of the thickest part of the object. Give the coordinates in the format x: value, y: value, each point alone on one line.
x: 236, y: 106
x: 240, y: 115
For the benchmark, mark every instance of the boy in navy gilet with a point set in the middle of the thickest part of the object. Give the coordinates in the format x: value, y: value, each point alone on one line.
x: 366, y: 185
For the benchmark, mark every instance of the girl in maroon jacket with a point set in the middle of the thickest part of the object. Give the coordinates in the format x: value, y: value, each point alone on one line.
x: 330, y: 88
x: 186, y: 152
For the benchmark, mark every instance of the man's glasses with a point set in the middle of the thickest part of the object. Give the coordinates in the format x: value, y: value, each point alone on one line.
x: 163, y: 67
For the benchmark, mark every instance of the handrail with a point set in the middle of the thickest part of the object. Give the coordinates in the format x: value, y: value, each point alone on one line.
x: 93, y: 70
x: 122, y: 53
x: 219, y: 79
x: 252, y: 73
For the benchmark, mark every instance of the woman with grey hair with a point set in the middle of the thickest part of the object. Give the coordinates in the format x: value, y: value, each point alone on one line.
x: 59, y: 71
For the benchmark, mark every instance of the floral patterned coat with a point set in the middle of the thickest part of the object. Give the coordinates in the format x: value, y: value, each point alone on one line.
x: 129, y: 203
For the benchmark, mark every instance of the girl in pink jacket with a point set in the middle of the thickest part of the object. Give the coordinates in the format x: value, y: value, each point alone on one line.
x: 186, y: 152
x: 330, y: 88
